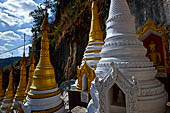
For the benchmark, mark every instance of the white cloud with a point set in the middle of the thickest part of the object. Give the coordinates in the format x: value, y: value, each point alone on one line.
x: 11, y: 21
x: 15, y: 53
x: 27, y: 31
x: 9, y: 36
x: 14, y: 17
x: 2, y: 48
x: 2, y: 24
x: 7, y: 45
x: 16, y: 12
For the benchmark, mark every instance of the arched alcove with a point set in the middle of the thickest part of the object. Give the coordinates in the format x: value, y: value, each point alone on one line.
x: 116, y: 100
x: 84, y: 83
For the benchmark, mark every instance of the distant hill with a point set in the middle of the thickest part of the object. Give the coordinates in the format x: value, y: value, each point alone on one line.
x: 7, y: 61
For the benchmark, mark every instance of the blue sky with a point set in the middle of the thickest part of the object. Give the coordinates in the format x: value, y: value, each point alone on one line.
x: 14, y: 22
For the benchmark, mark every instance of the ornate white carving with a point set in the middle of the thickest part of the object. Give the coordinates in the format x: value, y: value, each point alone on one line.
x: 128, y: 87
x: 136, y: 75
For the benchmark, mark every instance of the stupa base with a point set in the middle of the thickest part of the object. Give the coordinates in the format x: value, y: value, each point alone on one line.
x: 52, y: 104
x: 5, y: 106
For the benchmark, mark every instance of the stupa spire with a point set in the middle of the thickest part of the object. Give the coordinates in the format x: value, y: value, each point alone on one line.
x: 91, y: 54
x: 1, y: 88
x: 44, y: 94
x: 127, y: 53
x: 118, y: 7
x: 48, y: 77
x: 20, y: 93
x: 95, y: 30
x: 31, y: 71
x: 9, y: 94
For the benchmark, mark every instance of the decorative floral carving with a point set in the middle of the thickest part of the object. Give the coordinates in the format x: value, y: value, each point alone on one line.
x: 128, y: 87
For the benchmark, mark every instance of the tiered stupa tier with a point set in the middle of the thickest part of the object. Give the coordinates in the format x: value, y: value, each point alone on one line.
x: 31, y: 72
x: 123, y: 48
x: 44, y: 94
x: 9, y: 94
x: 91, y: 54
x: 1, y: 88
x: 20, y: 93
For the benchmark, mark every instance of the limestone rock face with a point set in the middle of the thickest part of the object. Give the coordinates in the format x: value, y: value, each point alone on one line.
x: 128, y: 54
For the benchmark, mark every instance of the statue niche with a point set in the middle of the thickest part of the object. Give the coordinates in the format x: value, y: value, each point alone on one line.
x: 153, y: 54
x: 155, y: 40
x: 85, y: 75
x: 116, y: 100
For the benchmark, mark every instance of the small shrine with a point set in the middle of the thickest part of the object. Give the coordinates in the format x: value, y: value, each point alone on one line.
x: 125, y: 78
x: 85, y: 76
x: 155, y: 40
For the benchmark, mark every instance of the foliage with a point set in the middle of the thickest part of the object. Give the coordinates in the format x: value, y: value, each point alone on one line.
x: 38, y: 15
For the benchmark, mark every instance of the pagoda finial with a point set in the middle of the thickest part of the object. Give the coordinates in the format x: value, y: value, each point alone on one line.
x: 95, y: 30
x: 118, y: 7
x: 44, y: 26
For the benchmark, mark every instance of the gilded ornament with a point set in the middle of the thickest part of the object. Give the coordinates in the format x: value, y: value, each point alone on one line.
x: 44, y: 75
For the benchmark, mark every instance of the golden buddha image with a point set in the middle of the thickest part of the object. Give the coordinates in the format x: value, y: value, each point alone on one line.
x: 153, y: 55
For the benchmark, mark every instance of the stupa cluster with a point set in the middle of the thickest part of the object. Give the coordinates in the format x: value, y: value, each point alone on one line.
x: 116, y: 72
x: 41, y: 94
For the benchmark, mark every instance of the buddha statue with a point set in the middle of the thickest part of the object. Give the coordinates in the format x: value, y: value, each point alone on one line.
x: 154, y: 56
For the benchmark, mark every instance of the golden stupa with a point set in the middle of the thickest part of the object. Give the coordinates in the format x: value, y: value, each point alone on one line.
x: 20, y: 93
x: 95, y: 34
x: 91, y: 54
x: 31, y: 72
x: 9, y: 94
x: 44, y: 94
x: 1, y: 88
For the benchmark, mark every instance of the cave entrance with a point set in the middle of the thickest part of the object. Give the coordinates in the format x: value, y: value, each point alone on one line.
x: 116, y: 100
x: 84, y: 83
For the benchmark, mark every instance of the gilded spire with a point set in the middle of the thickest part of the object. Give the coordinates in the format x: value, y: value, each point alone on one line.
x: 9, y: 94
x: 91, y: 54
x: 1, y: 88
x: 20, y: 94
x: 44, y: 75
x: 95, y: 30
x: 31, y: 71
x: 44, y: 91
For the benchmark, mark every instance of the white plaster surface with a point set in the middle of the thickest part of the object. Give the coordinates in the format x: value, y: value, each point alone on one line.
x: 44, y: 103
x: 122, y: 47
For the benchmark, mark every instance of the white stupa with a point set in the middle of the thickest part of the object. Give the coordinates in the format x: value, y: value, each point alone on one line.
x: 135, y: 75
